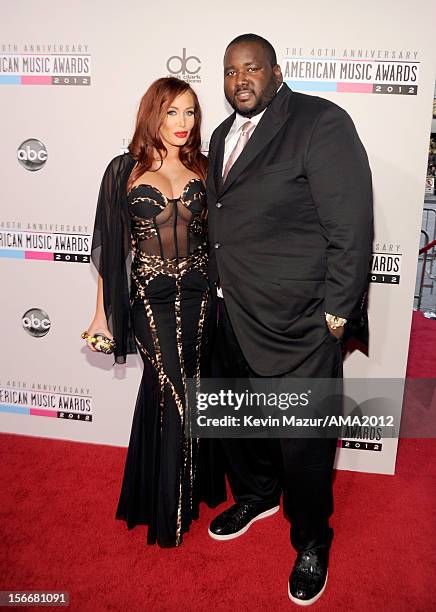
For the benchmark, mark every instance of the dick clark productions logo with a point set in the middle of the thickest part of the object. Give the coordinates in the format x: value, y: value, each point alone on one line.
x: 177, y: 64
x: 32, y: 154
x: 36, y: 322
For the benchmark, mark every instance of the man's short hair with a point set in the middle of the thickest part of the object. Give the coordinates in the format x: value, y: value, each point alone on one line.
x: 267, y: 46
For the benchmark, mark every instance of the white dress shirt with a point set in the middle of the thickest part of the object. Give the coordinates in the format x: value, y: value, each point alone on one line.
x: 234, y: 133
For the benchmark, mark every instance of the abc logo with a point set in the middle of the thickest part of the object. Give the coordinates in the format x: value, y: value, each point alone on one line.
x: 32, y: 154
x: 36, y: 322
x: 183, y: 65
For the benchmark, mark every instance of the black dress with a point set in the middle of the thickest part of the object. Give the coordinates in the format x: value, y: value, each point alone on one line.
x: 171, y: 318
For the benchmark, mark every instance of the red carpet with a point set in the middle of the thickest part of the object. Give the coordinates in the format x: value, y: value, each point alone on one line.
x: 422, y: 348
x: 58, y: 532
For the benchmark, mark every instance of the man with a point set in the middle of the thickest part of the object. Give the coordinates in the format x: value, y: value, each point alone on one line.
x: 290, y: 222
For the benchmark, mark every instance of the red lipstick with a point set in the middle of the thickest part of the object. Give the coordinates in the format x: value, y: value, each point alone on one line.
x: 181, y: 134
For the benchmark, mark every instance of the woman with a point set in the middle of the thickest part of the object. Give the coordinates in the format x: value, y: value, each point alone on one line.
x: 152, y: 205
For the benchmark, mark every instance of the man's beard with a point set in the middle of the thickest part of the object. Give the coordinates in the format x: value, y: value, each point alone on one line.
x: 261, y: 102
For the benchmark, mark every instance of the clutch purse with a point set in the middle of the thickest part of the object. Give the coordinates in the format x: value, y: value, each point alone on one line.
x: 100, y: 342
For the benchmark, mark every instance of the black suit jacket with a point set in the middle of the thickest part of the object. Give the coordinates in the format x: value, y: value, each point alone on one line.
x: 291, y: 228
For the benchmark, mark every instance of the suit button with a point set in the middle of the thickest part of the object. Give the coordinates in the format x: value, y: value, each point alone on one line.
x: 218, y: 205
x: 217, y: 245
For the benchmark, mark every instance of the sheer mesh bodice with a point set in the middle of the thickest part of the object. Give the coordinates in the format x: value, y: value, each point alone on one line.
x: 167, y: 227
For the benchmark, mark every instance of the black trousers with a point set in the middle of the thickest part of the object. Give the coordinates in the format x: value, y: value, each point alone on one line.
x: 259, y: 470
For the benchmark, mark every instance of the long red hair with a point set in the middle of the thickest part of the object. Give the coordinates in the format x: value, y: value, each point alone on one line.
x: 146, y: 141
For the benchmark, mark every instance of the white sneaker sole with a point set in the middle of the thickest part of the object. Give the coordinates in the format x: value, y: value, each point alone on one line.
x: 307, y: 602
x: 232, y: 536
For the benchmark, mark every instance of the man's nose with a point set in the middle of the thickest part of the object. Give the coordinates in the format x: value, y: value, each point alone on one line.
x: 241, y: 78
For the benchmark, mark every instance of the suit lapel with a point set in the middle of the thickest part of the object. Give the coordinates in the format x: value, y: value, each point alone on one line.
x: 217, y: 160
x: 271, y: 122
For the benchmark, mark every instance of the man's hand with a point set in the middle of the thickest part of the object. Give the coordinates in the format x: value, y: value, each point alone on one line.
x: 335, y: 325
x: 337, y: 333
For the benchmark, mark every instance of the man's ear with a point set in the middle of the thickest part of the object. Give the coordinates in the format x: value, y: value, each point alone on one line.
x: 278, y: 74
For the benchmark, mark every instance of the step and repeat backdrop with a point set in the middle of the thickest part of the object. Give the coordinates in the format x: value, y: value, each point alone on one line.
x: 71, y: 77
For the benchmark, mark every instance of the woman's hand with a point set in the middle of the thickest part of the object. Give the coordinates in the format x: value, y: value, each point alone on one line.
x: 98, y: 326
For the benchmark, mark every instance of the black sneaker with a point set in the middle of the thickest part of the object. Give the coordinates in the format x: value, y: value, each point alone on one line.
x: 308, y: 578
x: 237, y: 519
